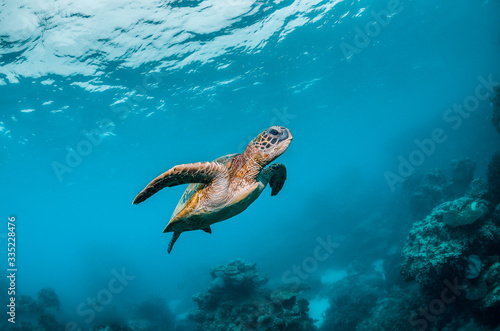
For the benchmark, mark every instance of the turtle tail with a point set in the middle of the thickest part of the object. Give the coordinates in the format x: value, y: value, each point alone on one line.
x: 172, y: 242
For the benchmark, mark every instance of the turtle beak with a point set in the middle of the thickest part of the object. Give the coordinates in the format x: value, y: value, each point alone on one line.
x: 285, y: 135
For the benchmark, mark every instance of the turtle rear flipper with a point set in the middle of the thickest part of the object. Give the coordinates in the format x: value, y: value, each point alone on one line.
x: 201, y: 172
x: 172, y: 241
x: 275, y: 175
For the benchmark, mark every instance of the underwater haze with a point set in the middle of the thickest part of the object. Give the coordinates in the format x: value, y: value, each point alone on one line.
x: 392, y: 189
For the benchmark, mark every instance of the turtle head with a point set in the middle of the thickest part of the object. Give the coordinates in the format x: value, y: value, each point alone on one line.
x: 270, y: 144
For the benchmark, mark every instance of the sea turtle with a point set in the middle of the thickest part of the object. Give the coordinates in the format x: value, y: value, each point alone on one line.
x: 225, y: 187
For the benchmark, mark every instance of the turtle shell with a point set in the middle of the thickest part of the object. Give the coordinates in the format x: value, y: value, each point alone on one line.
x: 193, y: 188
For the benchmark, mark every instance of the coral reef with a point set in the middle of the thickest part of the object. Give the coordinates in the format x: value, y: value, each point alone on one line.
x: 238, y: 277
x: 153, y: 314
x: 42, y: 315
x: 27, y: 305
x: 47, y: 299
x: 38, y: 314
x: 478, y: 189
x: 427, y: 191
x: 474, y: 267
x: 495, y: 102
x: 492, y: 280
x: 435, y: 251
x: 458, y: 243
x: 435, y: 187
x: 463, y: 211
x: 393, y: 312
x: 352, y: 299
x: 236, y: 300
x: 462, y: 173
x: 47, y: 322
x: 117, y: 327
x: 494, y: 179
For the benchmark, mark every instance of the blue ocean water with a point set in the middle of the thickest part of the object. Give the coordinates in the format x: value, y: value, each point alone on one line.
x: 98, y: 98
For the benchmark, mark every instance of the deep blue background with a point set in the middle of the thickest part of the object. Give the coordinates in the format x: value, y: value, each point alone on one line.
x: 350, y: 119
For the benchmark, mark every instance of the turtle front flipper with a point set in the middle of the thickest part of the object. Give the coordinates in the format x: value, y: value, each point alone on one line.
x: 201, y: 172
x: 275, y: 175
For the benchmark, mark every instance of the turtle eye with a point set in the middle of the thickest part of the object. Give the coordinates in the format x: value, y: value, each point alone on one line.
x: 274, y: 132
